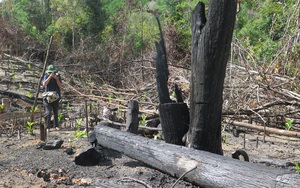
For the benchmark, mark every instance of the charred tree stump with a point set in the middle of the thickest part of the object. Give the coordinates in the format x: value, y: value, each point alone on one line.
x: 175, y: 122
x: 132, y: 122
x: 43, y: 132
x: 174, y: 117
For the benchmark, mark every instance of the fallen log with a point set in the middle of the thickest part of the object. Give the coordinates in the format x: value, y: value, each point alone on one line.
x: 267, y: 129
x: 19, y: 96
x: 206, y: 169
x: 12, y: 115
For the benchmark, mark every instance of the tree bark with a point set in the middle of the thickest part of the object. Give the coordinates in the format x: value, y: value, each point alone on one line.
x: 211, y: 42
x: 162, y: 72
x: 206, y: 169
x: 175, y: 121
x: 174, y: 117
x: 132, y: 122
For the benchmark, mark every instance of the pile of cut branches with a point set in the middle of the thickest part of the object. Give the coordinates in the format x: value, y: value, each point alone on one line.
x: 260, y: 97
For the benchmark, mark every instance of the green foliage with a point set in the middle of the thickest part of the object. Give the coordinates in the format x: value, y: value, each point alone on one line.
x: 78, y: 133
x: 143, y: 120
x: 20, y: 85
x: 60, y: 116
x: 143, y: 30
x: 143, y: 98
x: 177, y: 13
x: 68, y: 106
x: 32, y: 16
x: 110, y: 97
x: 1, y: 108
x: 111, y: 7
x: 123, y: 29
x: 297, y: 167
x: 173, y: 94
x: 120, y: 111
x: 77, y: 19
x: 223, y: 135
x: 35, y: 109
x: 29, y: 95
x: 261, y: 26
x: 289, y: 124
x: 78, y: 123
x: 157, y: 137
x: 30, y: 126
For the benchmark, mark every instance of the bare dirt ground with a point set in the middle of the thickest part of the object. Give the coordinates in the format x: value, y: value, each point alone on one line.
x: 21, y: 162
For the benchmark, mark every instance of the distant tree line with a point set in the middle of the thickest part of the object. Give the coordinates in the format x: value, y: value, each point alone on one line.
x: 263, y: 28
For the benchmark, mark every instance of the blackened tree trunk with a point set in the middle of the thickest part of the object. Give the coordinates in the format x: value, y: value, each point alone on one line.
x: 174, y: 117
x: 211, y: 42
x: 162, y: 72
x: 132, y: 122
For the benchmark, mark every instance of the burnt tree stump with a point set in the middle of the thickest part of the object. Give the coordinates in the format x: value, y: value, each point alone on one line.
x: 132, y: 122
x: 43, y: 132
x: 175, y: 121
x: 174, y: 117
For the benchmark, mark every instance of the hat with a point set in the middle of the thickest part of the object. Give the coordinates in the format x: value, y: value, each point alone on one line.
x: 51, y: 68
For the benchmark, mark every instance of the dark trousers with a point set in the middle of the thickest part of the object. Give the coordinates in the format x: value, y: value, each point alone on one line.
x: 49, y: 107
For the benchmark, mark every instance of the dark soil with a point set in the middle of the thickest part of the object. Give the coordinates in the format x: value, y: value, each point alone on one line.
x: 21, y: 163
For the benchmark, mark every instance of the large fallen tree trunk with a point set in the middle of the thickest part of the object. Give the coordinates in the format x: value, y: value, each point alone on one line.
x: 206, y: 169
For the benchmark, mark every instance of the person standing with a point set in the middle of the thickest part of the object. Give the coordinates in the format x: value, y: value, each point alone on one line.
x: 51, y: 83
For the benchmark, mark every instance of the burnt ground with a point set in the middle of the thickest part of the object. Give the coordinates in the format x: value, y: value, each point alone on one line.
x: 22, y: 162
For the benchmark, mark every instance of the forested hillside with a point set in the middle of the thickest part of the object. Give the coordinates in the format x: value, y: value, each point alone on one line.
x: 113, y: 41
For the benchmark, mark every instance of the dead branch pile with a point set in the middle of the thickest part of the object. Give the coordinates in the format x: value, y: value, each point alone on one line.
x: 260, y: 97
x: 251, y: 94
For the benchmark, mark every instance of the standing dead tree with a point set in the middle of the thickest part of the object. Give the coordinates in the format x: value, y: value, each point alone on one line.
x: 211, y: 42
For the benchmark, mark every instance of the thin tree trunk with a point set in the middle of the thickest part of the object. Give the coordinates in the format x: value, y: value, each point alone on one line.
x: 43, y: 133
